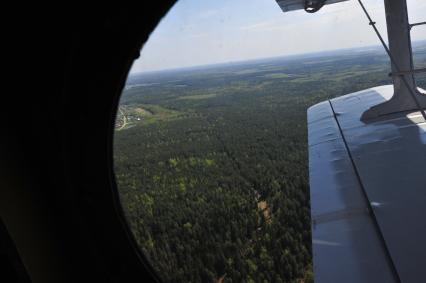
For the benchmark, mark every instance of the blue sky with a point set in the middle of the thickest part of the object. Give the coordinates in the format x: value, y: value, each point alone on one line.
x: 200, y: 32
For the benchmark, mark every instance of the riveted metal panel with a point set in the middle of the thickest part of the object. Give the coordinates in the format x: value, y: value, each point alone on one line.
x: 390, y: 156
x: 346, y: 243
x: 292, y: 5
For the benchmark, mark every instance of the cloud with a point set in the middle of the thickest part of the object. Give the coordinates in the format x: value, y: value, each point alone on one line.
x: 209, y: 14
x: 198, y: 35
x: 199, y: 32
x: 261, y: 26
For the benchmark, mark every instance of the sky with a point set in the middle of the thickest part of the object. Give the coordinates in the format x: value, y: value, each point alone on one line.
x: 202, y: 32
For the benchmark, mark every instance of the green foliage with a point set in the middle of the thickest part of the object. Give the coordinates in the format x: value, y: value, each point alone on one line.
x: 217, y: 189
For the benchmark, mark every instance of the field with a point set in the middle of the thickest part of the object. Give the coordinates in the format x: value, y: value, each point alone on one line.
x: 212, y: 165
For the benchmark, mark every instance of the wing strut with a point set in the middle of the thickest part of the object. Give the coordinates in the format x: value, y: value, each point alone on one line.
x: 400, y: 42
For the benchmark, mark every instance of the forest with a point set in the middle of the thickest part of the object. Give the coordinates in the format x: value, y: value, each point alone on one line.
x: 212, y: 166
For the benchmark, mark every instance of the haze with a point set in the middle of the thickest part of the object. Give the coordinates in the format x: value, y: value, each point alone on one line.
x: 203, y: 32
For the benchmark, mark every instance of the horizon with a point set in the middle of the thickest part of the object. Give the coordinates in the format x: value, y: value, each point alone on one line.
x: 195, y: 33
x: 289, y: 56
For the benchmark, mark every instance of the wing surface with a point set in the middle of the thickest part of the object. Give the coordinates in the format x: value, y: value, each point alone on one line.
x: 292, y: 5
x: 368, y: 191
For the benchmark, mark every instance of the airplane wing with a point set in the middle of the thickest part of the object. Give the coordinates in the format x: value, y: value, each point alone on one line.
x: 368, y: 191
x: 292, y: 5
x: 368, y: 179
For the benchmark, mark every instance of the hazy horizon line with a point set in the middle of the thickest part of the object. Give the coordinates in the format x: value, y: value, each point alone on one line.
x: 172, y: 69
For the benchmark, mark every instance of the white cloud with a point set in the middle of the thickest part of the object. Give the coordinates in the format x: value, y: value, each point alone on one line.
x: 209, y: 14
x: 191, y: 37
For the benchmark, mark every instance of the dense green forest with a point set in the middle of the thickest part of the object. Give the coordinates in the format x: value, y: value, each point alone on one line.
x: 212, y: 164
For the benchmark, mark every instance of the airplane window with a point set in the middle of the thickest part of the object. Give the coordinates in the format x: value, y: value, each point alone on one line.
x: 419, y: 59
x: 210, y: 146
x: 416, y: 15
